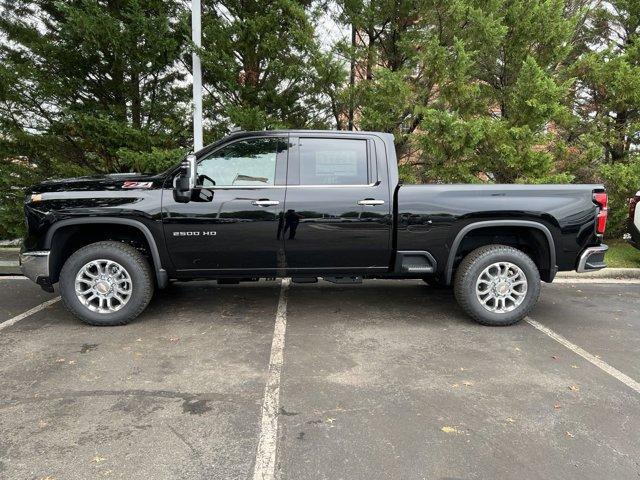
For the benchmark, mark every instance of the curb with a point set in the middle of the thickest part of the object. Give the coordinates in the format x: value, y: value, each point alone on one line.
x: 612, y: 273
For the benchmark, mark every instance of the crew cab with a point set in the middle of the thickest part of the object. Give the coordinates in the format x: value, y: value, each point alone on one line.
x: 306, y: 205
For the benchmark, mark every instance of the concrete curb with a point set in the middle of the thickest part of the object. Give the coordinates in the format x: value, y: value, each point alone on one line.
x: 614, y: 273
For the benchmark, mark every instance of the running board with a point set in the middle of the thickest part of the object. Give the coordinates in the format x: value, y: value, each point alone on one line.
x: 347, y: 280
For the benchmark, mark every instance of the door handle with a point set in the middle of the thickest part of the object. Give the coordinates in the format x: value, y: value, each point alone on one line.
x: 370, y: 202
x: 265, y: 203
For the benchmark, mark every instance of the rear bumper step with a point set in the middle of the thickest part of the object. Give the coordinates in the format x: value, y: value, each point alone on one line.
x: 592, y: 259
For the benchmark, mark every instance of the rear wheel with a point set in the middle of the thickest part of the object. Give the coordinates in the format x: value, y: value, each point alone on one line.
x: 497, y: 285
x: 106, y: 283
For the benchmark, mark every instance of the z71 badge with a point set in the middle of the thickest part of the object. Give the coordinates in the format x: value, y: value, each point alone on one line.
x: 205, y: 233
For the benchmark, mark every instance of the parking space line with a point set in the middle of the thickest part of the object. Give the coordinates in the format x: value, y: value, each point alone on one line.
x: 265, y: 465
x: 17, y: 318
x: 12, y: 277
x: 597, y: 280
x: 604, y: 366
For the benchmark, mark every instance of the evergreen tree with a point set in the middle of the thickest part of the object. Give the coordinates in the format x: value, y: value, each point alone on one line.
x: 262, y: 66
x: 608, y: 101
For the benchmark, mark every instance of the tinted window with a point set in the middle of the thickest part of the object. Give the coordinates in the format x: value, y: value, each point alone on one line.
x: 244, y: 163
x: 331, y: 161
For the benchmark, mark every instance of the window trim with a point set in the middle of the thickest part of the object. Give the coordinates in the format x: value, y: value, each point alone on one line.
x: 282, y: 163
x: 294, y: 161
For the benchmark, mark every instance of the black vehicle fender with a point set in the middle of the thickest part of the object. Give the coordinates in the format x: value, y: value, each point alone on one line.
x: 499, y: 223
x: 162, y: 277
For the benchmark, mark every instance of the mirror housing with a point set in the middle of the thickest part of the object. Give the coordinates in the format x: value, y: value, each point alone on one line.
x: 185, y: 182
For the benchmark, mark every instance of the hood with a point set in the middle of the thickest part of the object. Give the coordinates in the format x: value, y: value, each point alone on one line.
x: 114, y: 181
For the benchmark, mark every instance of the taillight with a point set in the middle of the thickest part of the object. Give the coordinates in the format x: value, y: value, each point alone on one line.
x: 601, y: 219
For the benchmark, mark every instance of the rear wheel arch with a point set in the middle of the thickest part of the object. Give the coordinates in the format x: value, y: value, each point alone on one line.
x: 537, y: 235
x: 65, y: 230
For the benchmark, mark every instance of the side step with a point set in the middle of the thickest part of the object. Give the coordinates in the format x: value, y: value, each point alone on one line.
x: 348, y: 280
x: 416, y: 262
x: 304, y: 279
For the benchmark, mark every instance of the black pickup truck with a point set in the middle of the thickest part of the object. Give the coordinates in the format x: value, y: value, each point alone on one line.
x: 304, y: 204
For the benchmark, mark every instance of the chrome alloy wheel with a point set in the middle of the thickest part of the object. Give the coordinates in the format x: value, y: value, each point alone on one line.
x: 103, y: 286
x: 501, y: 287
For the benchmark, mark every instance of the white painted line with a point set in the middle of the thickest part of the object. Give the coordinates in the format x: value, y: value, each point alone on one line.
x: 602, y: 365
x: 9, y: 263
x: 28, y: 313
x: 598, y: 280
x: 265, y: 467
x: 12, y: 277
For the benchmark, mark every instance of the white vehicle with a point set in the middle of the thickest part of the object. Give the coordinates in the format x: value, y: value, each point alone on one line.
x: 634, y: 221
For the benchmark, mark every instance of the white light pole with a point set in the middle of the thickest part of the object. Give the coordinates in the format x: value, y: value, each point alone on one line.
x: 197, y: 75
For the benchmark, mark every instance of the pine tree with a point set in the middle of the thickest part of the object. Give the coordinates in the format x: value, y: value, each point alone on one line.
x: 608, y: 101
x: 89, y: 87
x: 86, y: 82
x: 260, y: 66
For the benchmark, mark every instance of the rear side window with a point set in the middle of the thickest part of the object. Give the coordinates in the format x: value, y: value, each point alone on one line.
x: 333, y: 161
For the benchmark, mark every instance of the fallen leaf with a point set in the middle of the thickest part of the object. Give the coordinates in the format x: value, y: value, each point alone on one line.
x: 467, y: 384
x: 455, y: 385
x: 61, y: 360
x: 517, y: 349
x: 446, y: 429
x: 174, y: 339
x: 574, y: 366
x: 98, y: 459
x: 42, y: 424
x: 72, y: 362
x: 574, y: 388
x: 554, y: 357
x: 557, y: 406
x: 330, y: 420
x: 569, y: 434
x: 138, y: 339
x: 510, y: 420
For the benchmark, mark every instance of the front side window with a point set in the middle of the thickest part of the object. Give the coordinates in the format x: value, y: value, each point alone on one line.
x: 249, y: 162
x: 333, y: 161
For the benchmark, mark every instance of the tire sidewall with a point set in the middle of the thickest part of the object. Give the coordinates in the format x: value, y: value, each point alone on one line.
x: 468, y: 286
x: 139, y: 280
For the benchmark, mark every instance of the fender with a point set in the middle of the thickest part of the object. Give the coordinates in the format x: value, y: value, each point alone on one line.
x: 499, y: 223
x: 161, y: 273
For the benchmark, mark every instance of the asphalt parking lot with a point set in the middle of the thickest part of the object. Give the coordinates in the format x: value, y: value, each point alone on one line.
x: 384, y: 380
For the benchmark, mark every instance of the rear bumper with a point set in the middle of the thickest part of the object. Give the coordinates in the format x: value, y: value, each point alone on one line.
x: 35, y: 266
x: 592, y: 259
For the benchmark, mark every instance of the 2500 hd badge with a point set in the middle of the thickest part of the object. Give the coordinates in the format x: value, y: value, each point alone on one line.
x: 205, y: 233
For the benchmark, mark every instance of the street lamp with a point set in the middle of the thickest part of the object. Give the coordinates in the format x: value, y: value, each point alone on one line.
x: 196, y: 34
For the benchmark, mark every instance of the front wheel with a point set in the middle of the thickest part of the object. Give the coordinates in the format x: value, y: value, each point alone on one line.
x: 106, y: 283
x: 497, y: 285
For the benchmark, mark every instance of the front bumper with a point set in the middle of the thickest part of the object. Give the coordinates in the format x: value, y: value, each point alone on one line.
x: 35, y: 266
x: 592, y: 259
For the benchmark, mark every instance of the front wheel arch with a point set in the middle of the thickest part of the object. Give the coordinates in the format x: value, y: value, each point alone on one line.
x: 64, y: 230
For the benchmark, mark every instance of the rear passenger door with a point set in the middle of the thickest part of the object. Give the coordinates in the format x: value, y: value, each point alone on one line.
x: 337, y: 211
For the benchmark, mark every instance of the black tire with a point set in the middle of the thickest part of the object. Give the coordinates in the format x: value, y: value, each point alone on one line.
x: 142, y: 281
x: 472, y: 267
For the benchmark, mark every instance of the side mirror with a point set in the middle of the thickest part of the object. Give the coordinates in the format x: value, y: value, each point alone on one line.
x: 185, y: 182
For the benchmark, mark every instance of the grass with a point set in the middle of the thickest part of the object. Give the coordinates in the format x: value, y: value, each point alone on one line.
x: 621, y: 255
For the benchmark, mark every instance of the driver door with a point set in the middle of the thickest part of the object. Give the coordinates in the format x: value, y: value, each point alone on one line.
x: 236, y: 229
